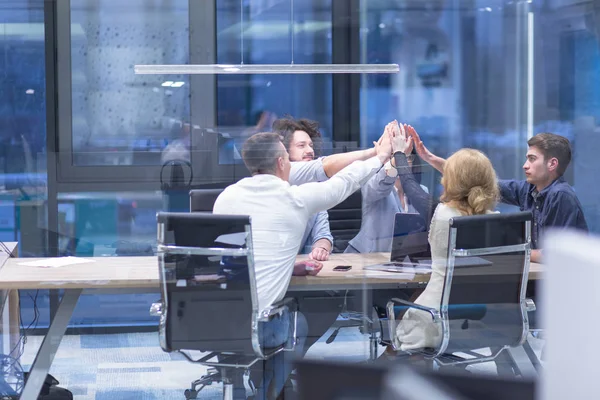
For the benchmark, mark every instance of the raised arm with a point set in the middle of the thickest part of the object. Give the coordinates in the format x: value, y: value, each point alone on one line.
x: 427, y: 156
x: 378, y: 187
x: 422, y: 201
x: 336, y: 162
x: 402, y: 144
x: 511, y: 191
x: 315, y: 197
x: 382, y: 184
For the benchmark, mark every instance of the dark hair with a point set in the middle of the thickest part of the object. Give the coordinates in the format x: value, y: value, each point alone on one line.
x: 287, y: 125
x: 261, y: 151
x: 553, y: 146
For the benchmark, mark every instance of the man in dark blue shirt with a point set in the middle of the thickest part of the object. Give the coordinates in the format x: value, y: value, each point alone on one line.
x: 544, y: 192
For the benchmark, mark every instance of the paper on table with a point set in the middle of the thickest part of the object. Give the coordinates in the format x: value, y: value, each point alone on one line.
x: 56, y: 262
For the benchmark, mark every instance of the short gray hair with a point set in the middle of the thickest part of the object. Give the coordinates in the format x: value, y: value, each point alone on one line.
x: 261, y: 151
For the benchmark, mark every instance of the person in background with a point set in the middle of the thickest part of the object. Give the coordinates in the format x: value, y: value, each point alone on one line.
x: 382, y: 197
x: 279, y: 213
x: 470, y: 188
x: 544, y: 191
x: 179, y: 148
x: 263, y: 120
x: 300, y: 137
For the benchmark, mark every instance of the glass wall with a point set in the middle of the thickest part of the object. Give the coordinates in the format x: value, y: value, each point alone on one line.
x: 136, y: 130
x: 23, y: 125
x: 483, y: 74
x: 23, y: 161
x: 486, y: 75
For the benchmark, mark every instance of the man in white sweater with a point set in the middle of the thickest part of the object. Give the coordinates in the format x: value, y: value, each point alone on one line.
x: 279, y: 213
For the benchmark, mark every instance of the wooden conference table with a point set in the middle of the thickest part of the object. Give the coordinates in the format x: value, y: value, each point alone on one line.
x: 134, y: 273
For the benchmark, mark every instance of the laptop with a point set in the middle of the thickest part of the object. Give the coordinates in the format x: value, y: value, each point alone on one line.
x: 410, y: 248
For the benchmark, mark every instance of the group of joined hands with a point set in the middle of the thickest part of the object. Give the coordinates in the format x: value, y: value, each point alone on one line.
x: 395, y: 138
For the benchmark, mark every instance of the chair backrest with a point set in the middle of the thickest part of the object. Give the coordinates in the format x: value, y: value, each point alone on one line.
x: 207, y: 283
x: 345, y: 220
x: 485, y: 297
x: 203, y: 200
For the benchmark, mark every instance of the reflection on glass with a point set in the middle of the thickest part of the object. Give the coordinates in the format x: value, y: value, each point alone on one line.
x: 23, y: 126
x: 487, y: 75
x: 120, y: 118
x: 257, y: 32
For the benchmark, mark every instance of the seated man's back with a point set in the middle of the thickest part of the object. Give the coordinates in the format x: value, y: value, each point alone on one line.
x: 278, y: 224
x: 279, y: 212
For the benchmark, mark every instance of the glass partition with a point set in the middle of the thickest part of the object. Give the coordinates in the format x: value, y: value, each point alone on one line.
x: 487, y: 75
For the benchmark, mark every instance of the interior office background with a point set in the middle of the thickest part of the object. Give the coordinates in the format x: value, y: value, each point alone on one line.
x: 84, y: 139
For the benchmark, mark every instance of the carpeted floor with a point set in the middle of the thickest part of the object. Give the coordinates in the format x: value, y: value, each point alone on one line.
x: 133, y: 366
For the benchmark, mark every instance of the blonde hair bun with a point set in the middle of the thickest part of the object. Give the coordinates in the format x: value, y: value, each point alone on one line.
x: 470, y: 182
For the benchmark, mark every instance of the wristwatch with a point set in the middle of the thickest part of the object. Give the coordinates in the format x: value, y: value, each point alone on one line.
x: 390, y: 170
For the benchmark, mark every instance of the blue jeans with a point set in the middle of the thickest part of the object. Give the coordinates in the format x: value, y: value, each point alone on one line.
x: 276, y: 370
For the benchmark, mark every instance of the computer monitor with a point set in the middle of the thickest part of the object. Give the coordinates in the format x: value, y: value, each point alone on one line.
x: 410, y: 237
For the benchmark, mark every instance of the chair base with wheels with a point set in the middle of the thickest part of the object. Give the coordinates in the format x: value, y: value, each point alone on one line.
x: 209, y: 298
x: 482, y: 306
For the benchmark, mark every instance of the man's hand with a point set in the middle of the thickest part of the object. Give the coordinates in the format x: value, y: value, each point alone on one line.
x: 536, y: 256
x: 400, y: 140
x: 383, y: 147
x: 320, y: 250
x: 427, y: 156
x: 319, y: 254
x: 308, y: 267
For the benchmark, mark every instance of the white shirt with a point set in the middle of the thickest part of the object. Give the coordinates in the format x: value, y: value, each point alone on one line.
x: 279, y: 213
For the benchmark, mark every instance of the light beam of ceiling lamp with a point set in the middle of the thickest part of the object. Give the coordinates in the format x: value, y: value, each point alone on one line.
x: 211, y: 69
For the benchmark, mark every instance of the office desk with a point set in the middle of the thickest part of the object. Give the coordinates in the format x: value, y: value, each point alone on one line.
x: 142, y: 272
x: 132, y: 273
x: 358, y: 278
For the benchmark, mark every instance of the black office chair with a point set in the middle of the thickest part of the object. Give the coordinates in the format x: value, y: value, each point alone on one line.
x: 209, y: 296
x: 203, y: 199
x: 482, y: 305
x: 345, y: 220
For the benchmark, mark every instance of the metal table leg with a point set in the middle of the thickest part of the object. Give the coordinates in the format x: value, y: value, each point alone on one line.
x: 532, y: 356
x: 524, y: 363
x: 45, y: 355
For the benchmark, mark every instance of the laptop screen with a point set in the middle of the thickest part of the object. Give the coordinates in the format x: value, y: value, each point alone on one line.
x: 410, y: 237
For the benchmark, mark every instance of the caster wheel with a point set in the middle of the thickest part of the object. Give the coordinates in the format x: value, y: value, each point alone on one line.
x: 190, y: 394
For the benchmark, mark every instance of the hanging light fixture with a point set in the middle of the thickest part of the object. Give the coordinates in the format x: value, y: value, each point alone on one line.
x: 247, y: 69
x: 266, y: 69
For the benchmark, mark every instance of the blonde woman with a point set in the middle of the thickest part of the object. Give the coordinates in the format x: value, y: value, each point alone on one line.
x: 470, y: 188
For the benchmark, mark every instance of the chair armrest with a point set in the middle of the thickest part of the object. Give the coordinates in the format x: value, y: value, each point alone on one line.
x: 279, y: 307
x: 435, y: 314
x: 530, y: 305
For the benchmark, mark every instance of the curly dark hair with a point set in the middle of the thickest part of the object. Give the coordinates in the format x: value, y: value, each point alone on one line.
x: 287, y: 125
